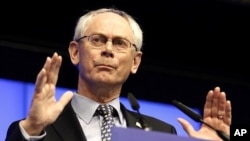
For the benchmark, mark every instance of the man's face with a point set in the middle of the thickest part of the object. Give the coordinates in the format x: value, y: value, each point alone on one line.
x: 105, y: 65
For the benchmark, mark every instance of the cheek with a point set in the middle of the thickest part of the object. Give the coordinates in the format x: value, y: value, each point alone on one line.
x: 126, y: 64
x: 86, y: 60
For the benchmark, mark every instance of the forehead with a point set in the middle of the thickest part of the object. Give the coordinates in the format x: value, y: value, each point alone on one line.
x: 109, y: 24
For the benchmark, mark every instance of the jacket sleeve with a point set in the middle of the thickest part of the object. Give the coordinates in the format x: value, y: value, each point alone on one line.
x: 14, y: 132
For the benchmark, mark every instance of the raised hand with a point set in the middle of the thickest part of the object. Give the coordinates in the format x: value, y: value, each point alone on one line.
x: 44, y: 108
x: 217, y: 113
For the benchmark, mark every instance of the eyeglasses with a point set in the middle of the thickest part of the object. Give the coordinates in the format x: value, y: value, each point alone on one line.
x: 99, y: 40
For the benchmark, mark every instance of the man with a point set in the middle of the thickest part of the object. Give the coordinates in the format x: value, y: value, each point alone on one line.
x: 106, y: 50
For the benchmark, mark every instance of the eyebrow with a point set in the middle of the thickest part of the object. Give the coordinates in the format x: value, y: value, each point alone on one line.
x: 116, y: 36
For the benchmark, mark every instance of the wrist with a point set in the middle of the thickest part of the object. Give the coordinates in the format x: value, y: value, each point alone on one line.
x: 33, y: 129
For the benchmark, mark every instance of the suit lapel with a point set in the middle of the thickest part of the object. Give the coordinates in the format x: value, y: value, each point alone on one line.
x: 68, y: 126
x: 132, y: 119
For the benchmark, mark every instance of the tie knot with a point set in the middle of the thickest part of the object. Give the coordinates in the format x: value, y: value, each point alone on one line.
x: 104, y: 110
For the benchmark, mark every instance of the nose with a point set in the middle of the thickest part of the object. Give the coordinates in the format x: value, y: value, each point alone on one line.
x: 108, y: 49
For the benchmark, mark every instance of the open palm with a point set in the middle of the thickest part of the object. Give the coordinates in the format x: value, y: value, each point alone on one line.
x: 217, y: 113
x: 45, y: 108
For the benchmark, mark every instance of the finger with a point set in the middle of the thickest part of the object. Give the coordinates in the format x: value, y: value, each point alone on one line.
x: 42, y: 76
x: 66, y: 97
x: 215, y: 102
x: 186, y: 126
x: 222, y: 104
x: 228, y: 113
x: 40, y: 80
x: 47, y: 64
x: 54, y: 68
x: 208, y: 104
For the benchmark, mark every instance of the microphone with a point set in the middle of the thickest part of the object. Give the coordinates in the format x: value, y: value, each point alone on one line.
x: 135, y: 106
x: 198, y: 118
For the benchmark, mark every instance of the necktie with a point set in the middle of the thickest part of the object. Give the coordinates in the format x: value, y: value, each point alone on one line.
x: 106, y: 112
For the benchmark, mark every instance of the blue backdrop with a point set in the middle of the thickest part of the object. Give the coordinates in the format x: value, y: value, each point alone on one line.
x: 16, y: 97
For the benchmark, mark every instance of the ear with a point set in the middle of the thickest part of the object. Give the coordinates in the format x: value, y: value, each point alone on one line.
x: 74, y: 52
x: 136, y: 62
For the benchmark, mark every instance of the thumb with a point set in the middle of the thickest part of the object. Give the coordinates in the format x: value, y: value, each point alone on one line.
x: 65, y: 98
x: 186, y: 126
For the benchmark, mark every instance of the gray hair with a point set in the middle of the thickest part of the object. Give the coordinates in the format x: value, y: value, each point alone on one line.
x: 81, y: 26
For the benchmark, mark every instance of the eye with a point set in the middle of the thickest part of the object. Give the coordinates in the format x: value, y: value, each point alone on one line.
x: 98, y: 40
x: 121, y: 43
x: 95, y: 39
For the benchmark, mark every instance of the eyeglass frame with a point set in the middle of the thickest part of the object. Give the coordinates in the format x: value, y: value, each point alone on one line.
x: 85, y: 36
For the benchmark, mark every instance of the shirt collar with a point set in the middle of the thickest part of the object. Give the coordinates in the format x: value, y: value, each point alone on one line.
x: 79, y: 102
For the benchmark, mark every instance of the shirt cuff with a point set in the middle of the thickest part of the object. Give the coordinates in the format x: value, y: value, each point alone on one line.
x: 31, y: 138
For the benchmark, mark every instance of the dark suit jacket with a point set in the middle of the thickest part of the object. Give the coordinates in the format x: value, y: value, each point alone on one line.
x: 68, y: 128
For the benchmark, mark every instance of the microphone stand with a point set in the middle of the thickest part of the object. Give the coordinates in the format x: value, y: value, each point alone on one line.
x: 135, y: 106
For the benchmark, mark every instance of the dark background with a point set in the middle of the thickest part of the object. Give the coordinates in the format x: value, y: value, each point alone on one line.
x: 190, y: 46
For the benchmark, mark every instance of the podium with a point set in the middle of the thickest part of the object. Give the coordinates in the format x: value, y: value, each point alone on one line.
x: 134, y: 134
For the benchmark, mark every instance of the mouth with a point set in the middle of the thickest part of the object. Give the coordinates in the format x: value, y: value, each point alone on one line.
x: 105, y: 66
